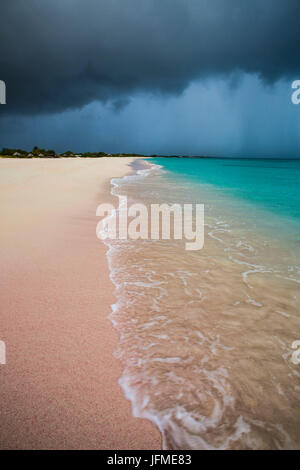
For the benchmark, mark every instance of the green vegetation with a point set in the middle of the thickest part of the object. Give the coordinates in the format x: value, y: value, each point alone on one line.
x: 11, y: 152
x: 37, y: 152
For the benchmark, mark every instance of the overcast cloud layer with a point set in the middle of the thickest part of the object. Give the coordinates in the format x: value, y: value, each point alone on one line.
x: 151, y: 76
x: 64, y: 54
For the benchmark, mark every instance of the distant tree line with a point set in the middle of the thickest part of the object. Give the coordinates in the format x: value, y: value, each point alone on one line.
x: 37, y: 152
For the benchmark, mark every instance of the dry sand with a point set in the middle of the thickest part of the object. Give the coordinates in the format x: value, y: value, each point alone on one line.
x: 59, y: 388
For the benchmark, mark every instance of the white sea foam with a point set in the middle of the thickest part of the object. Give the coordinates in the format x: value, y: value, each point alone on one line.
x: 188, y: 341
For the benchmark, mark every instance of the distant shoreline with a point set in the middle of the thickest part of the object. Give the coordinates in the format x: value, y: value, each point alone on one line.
x: 49, y: 154
x: 21, y: 154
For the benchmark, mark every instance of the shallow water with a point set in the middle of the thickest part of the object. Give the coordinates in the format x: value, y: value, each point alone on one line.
x: 206, y: 336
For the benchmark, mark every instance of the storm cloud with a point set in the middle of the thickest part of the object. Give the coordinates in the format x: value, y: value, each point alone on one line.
x: 61, y: 55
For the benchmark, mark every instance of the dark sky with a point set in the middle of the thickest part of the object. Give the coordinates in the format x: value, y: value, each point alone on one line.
x: 151, y: 76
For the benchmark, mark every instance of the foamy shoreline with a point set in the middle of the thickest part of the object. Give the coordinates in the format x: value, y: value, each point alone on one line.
x: 59, y: 388
x: 205, y: 337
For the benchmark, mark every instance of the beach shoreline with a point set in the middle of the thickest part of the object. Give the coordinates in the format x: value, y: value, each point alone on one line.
x: 206, y: 336
x: 59, y: 388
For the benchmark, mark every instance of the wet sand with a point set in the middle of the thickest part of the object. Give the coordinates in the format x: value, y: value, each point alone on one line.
x: 59, y: 388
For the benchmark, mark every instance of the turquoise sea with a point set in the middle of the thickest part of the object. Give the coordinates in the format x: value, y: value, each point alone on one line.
x: 270, y: 184
x: 206, y: 337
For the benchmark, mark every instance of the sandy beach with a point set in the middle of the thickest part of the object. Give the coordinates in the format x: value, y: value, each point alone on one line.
x: 59, y: 388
